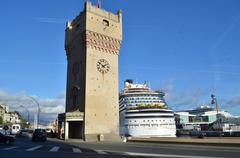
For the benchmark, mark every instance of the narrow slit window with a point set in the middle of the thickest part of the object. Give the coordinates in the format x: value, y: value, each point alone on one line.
x: 105, y: 22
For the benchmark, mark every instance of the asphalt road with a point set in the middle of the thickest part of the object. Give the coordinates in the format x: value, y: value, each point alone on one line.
x: 54, y: 148
x: 165, y: 150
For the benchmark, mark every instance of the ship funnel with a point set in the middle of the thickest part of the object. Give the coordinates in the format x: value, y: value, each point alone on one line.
x: 128, y: 82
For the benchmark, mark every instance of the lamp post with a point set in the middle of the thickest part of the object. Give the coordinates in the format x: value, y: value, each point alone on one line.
x: 27, y: 112
x: 214, y: 101
x: 35, y: 101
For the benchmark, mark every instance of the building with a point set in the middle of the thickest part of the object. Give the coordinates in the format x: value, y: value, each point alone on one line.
x: 92, y: 43
x: 200, y: 117
x: 11, y: 117
x: 3, y: 109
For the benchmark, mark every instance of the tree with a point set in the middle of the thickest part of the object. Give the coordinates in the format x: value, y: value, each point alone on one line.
x: 23, y: 123
x: 1, y: 120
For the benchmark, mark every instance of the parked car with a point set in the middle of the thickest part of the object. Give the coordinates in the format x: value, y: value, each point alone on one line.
x: 39, y: 135
x: 6, y: 139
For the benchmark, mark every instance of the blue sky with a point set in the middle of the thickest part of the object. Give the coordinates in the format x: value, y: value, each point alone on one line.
x: 188, y: 48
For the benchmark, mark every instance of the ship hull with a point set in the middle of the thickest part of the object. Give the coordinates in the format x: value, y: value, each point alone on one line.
x: 150, y: 132
x: 147, y: 127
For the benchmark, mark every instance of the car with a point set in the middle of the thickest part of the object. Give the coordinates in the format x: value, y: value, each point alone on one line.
x: 48, y: 130
x: 5, y: 130
x: 6, y: 139
x: 1, y: 129
x: 23, y: 133
x: 16, y: 128
x: 39, y: 135
x: 50, y: 133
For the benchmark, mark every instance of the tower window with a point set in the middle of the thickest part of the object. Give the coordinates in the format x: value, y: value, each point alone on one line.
x: 105, y: 22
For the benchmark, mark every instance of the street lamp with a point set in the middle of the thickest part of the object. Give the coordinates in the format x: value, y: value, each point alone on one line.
x: 27, y: 112
x: 214, y: 101
x: 35, y: 101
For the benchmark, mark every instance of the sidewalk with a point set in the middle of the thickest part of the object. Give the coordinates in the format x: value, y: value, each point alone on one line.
x: 222, y: 141
x: 217, y: 141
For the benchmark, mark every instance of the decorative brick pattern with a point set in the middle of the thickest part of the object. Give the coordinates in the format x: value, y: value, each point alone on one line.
x: 102, y: 43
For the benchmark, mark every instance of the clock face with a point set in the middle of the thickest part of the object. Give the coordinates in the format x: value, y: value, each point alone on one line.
x: 103, y: 66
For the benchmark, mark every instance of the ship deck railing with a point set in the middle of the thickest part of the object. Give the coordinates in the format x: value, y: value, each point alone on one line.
x: 146, y: 107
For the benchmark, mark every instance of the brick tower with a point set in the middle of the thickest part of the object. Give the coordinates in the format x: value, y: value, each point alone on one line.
x: 92, y: 44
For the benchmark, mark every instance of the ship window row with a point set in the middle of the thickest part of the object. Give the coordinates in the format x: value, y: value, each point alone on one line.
x: 121, y: 105
x: 121, y: 101
x: 143, y: 98
x: 148, y: 125
x: 145, y: 101
x: 121, y: 109
x: 153, y: 120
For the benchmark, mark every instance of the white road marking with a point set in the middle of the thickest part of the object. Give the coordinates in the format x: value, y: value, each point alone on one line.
x: 54, y: 149
x: 9, y: 148
x: 165, y: 155
x: 100, y: 151
x: 76, y: 150
x: 34, y: 148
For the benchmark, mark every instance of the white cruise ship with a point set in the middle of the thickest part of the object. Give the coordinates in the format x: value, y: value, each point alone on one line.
x: 144, y: 113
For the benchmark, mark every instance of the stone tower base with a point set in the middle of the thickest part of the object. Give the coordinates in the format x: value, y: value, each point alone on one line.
x: 102, y: 137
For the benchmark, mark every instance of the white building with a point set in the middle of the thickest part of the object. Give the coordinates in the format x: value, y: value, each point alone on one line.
x: 3, y: 109
x: 201, y: 116
x: 11, y: 117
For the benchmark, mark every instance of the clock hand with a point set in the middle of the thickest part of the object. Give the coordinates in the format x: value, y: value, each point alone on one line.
x: 101, y: 64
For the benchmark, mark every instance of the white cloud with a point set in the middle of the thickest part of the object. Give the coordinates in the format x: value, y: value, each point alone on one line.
x: 167, y: 87
x: 49, y: 107
x: 185, y: 99
x: 233, y: 102
x: 49, y: 20
x: 191, y: 98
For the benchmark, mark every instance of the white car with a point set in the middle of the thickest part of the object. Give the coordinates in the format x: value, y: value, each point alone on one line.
x: 16, y: 128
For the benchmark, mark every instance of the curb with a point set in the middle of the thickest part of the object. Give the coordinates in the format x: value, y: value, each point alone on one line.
x: 185, y: 142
